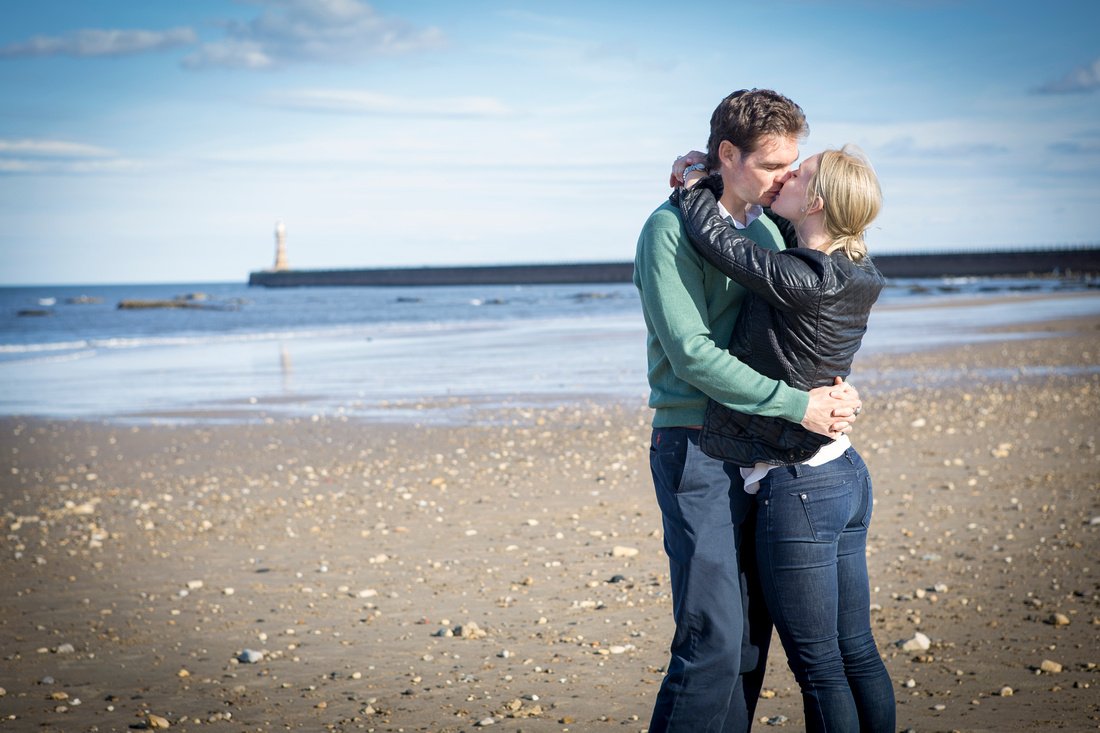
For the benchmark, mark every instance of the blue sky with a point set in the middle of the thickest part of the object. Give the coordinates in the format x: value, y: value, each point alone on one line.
x: 161, y: 141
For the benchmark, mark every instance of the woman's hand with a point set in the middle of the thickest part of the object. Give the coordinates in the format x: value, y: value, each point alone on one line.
x: 676, y: 178
x: 832, y: 409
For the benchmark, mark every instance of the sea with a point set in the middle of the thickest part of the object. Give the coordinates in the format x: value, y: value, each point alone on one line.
x: 431, y: 354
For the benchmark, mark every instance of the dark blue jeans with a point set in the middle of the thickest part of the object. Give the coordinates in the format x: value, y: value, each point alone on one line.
x: 720, y: 647
x: 811, y: 539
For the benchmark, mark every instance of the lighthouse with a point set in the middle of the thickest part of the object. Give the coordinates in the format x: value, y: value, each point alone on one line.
x: 280, y: 248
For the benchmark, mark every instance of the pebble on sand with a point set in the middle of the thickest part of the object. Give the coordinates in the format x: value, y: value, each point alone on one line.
x: 155, y: 721
x: 250, y: 656
x: 1050, y: 667
x: 919, y: 643
x: 470, y: 631
x: 621, y: 551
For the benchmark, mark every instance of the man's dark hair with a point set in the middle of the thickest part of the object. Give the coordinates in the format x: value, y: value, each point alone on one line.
x: 746, y: 116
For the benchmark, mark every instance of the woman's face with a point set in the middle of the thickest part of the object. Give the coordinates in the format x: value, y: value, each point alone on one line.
x: 793, y: 195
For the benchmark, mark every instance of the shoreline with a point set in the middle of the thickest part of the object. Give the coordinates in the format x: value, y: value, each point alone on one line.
x: 144, y: 560
x: 407, y: 375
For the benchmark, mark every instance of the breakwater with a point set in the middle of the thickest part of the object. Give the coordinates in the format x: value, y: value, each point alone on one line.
x: 949, y: 264
x: 552, y: 274
x: 1060, y: 261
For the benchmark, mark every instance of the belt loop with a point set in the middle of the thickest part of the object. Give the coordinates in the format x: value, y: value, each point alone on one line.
x: 848, y: 455
x: 798, y: 470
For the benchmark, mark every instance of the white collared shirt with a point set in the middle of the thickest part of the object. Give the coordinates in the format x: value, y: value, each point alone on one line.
x: 755, y: 212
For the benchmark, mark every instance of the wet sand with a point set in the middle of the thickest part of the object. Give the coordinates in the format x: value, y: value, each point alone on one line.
x: 403, y: 577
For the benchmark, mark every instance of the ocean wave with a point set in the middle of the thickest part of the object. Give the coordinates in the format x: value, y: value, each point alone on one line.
x: 371, y: 331
x: 137, y: 342
x: 58, y: 346
x: 84, y: 354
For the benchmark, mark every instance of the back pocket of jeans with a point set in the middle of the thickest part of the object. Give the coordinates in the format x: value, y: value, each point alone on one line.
x: 828, y: 510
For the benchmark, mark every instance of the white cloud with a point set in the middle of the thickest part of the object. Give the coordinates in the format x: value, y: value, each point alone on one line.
x: 22, y: 165
x: 625, y: 53
x: 52, y: 148
x: 1082, y: 79
x: 907, y: 147
x: 369, y: 103
x: 327, y: 31
x: 29, y: 156
x: 940, y: 142
x: 237, y: 54
x: 587, y: 63
x: 99, y: 42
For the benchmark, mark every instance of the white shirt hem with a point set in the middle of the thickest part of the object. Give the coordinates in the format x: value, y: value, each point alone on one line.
x: 828, y: 452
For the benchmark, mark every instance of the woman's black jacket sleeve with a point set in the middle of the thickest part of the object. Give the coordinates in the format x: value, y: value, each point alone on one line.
x: 786, y: 280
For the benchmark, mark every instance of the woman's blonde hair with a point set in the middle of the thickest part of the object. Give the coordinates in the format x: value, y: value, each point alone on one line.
x: 851, y: 198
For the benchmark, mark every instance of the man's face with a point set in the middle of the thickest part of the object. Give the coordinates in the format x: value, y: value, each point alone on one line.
x: 757, y: 177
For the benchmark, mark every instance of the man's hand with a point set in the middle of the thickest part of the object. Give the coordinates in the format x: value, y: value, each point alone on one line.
x: 832, y: 409
x: 676, y: 178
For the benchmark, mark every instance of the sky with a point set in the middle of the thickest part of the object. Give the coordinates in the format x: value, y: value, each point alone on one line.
x: 161, y: 141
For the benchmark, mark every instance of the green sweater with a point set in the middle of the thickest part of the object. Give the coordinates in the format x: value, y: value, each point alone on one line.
x: 690, y: 309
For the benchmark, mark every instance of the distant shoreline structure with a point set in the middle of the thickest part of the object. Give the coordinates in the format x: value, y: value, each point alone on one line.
x: 1084, y: 259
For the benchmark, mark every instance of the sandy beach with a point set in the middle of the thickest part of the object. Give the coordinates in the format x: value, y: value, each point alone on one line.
x: 323, y: 574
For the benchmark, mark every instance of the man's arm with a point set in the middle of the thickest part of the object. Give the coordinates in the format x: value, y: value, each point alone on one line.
x: 670, y: 274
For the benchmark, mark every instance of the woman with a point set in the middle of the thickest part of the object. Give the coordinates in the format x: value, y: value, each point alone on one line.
x: 802, y: 322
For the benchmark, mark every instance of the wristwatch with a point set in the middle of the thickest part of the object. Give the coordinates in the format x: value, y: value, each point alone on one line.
x: 690, y: 168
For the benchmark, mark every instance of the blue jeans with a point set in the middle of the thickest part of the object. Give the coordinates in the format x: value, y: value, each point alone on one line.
x: 720, y: 647
x: 811, y: 538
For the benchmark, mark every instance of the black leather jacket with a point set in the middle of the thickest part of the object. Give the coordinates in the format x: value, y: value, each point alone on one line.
x: 802, y: 322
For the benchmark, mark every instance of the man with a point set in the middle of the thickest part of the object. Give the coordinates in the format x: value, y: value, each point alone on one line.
x: 719, y: 648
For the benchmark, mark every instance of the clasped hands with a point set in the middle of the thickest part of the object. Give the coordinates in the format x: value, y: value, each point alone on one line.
x: 832, y: 409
